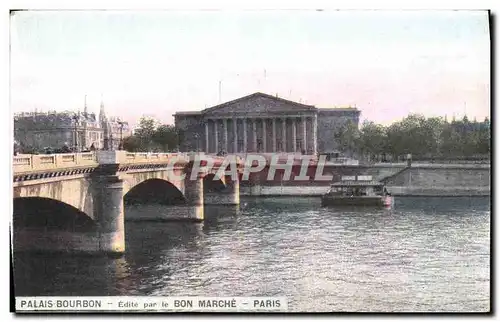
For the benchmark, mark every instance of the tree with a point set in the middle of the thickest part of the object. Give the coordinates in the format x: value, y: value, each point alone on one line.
x: 166, y: 137
x: 132, y: 144
x: 145, y: 132
x: 348, y: 138
x: 151, y: 136
x: 484, y: 137
x: 420, y: 136
x: 431, y: 133
x: 373, y: 139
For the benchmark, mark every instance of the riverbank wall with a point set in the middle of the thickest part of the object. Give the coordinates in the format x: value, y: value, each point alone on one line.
x: 401, y: 180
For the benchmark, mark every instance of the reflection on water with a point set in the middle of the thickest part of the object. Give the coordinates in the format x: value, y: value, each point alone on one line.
x: 427, y: 254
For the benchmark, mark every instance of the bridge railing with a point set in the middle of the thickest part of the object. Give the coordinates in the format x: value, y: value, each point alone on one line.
x: 144, y: 157
x: 40, y: 162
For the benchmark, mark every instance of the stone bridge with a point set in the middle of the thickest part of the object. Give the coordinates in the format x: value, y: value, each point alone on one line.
x: 93, y: 186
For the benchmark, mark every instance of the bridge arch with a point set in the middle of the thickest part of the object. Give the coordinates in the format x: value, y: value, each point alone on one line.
x: 213, y: 184
x: 155, y: 190
x: 50, y: 215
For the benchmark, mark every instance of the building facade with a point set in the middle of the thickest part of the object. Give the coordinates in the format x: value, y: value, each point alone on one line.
x: 261, y: 123
x: 37, y: 131
x: 331, y: 124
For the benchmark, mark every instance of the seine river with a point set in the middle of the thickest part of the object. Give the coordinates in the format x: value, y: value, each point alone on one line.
x: 428, y: 254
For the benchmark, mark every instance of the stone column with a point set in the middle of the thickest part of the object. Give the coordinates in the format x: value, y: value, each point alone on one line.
x: 235, y: 135
x: 216, y: 136
x: 315, y: 134
x: 108, y: 211
x: 284, y: 145
x: 207, y: 147
x: 304, y: 133
x: 264, y: 135
x: 245, y: 138
x: 232, y: 191
x: 193, y: 192
x: 274, y: 134
x: 294, y: 135
x: 107, y: 195
x: 254, y: 131
x: 225, y: 135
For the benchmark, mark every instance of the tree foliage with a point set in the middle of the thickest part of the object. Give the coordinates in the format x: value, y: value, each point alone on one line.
x: 151, y: 136
x: 422, y: 137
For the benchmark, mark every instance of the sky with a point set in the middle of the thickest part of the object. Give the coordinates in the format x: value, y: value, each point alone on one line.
x: 153, y: 63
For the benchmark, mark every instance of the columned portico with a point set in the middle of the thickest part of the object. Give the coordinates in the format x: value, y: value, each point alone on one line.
x: 258, y: 123
x: 258, y: 140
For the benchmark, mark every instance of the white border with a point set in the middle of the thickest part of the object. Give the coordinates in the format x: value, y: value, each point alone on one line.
x: 6, y: 137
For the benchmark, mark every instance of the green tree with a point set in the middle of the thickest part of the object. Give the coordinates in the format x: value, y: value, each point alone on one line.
x: 348, y: 139
x: 422, y: 137
x: 430, y: 132
x: 484, y: 138
x: 145, y: 132
x: 166, y: 137
x: 373, y: 139
x: 132, y: 144
x: 396, y: 144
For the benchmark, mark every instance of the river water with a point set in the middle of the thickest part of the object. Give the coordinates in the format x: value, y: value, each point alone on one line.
x: 427, y: 254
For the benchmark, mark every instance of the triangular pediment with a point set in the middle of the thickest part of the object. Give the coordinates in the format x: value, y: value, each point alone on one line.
x: 258, y: 103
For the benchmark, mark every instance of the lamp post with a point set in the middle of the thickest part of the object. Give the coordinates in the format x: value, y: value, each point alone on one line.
x: 76, y: 118
x: 120, y: 147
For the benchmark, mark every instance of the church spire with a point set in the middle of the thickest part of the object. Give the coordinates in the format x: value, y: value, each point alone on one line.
x: 102, y: 114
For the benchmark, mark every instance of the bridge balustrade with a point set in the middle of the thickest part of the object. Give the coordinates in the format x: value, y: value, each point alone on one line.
x: 41, y: 162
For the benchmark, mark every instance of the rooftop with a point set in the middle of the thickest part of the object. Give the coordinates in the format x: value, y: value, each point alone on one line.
x: 261, y: 102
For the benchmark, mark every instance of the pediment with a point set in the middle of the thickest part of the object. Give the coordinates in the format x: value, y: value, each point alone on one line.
x: 257, y: 103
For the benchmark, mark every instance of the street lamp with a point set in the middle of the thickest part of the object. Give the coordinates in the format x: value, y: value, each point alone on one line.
x: 120, y: 147
x: 76, y: 118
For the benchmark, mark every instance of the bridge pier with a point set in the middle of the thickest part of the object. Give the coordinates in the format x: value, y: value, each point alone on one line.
x: 255, y: 185
x: 193, y: 192
x: 109, y: 214
x: 229, y: 196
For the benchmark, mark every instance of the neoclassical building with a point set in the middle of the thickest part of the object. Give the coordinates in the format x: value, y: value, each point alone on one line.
x: 262, y: 123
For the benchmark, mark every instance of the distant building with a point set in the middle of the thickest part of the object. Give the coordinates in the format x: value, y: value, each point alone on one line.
x: 331, y: 124
x: 262, y: 123
x: 79, y: 131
